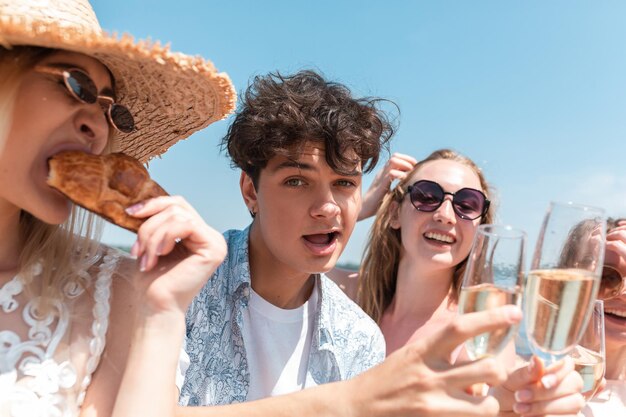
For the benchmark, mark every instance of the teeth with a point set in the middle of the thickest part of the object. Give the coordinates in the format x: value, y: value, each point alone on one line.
x: 439, y: 237
x: 615, y: 312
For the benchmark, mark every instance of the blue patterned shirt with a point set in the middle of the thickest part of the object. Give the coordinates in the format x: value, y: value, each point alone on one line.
x: 345, y: 340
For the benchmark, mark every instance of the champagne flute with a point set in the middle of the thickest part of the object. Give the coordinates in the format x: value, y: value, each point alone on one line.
x: 564, y: 278
x: 589, y: 355
x: 493, y: 278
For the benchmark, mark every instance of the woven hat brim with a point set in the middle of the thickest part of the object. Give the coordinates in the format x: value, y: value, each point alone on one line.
x: 170, y: 95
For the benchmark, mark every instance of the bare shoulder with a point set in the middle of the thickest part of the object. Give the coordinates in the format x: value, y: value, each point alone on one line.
x: 106, y: 379
x: 346, y: 279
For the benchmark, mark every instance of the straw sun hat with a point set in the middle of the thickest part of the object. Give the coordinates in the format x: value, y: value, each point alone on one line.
x: 170, y: 95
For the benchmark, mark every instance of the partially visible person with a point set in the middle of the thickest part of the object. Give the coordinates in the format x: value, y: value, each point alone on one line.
x: 612, y: 399
x: 615, y: 305
x: 414, y: 261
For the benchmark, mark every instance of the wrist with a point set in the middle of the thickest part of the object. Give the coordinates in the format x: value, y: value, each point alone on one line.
x: 152, y: 323
x: 354, y: 403
x: 162, y: 304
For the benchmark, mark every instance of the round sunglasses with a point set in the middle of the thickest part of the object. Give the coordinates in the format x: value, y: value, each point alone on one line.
x: 612, y: 283
x: 467, y: 203
x: 83, y: 89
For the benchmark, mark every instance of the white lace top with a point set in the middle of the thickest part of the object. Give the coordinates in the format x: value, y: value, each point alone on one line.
x: 46, y: 362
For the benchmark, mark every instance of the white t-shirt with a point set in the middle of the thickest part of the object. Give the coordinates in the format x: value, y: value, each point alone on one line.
x: 278, y: 343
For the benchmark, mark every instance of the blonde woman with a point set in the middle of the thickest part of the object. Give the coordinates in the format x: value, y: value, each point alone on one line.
x: 70, y: 308
x: 414, y: 261
x: 430, y: 244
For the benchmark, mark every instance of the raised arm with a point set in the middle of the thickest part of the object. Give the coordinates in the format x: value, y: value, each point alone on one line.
x: 415, y: 380
x: 176, y: 253
x: 396, y: 168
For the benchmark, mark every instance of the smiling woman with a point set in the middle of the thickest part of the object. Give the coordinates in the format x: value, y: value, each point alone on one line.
x: 423, y: 231
x: 615, y: 299
x: 414, y: 262
x: 612, y: 399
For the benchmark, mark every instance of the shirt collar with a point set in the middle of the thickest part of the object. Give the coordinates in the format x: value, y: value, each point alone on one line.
x: 238, y: 265
x: 324, y: 323
x: 240, y: 284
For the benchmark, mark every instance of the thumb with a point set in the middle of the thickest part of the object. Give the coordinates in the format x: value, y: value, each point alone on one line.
x: 525, y: 375
x: 536, y: 369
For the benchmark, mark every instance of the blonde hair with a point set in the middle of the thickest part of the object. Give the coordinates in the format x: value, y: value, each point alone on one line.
x: 63, y: 250
x: 378, y: 272
x: 13, y: 63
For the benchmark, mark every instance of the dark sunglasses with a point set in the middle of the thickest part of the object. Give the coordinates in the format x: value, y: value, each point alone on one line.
x: 467, y: 203
x: 83, y: 89
x: 612, y: 283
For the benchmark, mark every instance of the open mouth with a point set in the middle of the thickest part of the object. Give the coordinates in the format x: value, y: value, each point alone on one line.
x: 321, y: 238
x: 321, y: 244
x: 439, y: 238
x: 615, y: 314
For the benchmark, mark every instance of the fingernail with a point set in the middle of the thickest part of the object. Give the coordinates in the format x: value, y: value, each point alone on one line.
x: 143, y: 263
x: 523, y: 395
x: 520, y: 408
x: 548, y: 381
x: 135, y: 249
x: 134, y: 208
x: 159, y: 249
x: 569, y: 362
x: 513, y: 313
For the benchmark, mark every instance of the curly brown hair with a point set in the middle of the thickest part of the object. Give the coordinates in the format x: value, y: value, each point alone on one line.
x: 280, y: 114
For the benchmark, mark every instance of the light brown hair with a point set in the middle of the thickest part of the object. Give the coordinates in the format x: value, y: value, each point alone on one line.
x: 378, y: 272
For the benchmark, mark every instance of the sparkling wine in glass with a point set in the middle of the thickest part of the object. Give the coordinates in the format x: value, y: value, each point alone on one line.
x: 493, y: 278
x: 564, y: 278
x: 589, y: 355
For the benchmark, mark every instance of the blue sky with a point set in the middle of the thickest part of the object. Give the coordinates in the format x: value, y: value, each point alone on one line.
x: 534, y: 91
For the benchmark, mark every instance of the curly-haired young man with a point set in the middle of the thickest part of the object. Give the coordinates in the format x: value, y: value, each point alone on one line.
x: 269, y: 322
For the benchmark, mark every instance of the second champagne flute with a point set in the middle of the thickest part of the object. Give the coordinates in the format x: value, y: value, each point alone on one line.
x: 564, y: 277
x: 589, y: 354
x: 493, y: 278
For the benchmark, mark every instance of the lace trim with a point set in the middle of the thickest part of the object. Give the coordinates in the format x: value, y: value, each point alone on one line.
x: 100, y: 324
x: 41, y: 395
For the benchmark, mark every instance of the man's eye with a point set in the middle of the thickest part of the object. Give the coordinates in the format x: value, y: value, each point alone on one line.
x: 346, y: 183
x: 294, y: 182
